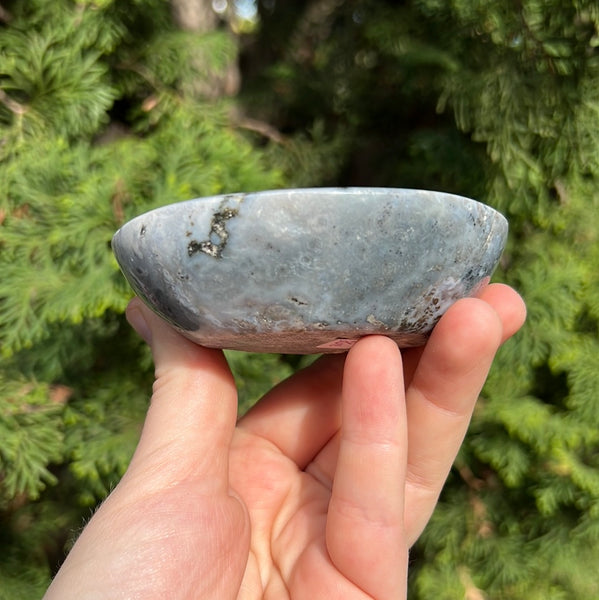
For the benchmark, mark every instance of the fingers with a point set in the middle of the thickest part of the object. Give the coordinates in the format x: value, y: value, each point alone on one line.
x: 365, y: 523
x: 302, y: 413
x: 508, y: 305
x: 191, y: 418
x: 441, y: 397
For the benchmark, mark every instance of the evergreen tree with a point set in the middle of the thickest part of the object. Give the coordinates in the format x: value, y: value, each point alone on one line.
x: 497, y: 101
x: 109, y: 108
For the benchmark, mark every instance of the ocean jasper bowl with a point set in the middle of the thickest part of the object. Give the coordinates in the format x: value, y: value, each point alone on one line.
x: 307, y: 271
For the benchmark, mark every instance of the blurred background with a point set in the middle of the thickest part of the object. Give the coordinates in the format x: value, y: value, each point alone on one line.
x: 109, y: 108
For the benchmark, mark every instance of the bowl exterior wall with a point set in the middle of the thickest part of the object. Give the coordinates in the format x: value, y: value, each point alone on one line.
x: 308, y: 271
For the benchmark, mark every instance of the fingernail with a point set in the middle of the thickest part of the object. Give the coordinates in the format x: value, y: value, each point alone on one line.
x: 139, y: 323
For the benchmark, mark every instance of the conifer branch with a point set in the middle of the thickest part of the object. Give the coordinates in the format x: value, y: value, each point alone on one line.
x: 315, y: 23
x: 12, y: 105
x: 538, y: 44
x: 562, y: 192
x: 261, y: 127
x: 472, y: 481
x: 471, y: 592
x: 5, y: 16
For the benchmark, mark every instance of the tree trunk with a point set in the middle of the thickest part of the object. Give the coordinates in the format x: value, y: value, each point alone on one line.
x: 194, y: 15
x: 198, y: 16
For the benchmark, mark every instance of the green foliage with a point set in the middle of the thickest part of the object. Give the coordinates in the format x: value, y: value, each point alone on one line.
x: 99, y: 121
x: 497, y: 101
x: 530, y: 98
x: 32, y: 426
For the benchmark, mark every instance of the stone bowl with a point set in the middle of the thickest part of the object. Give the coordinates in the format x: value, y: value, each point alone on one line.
x: 306, y: 271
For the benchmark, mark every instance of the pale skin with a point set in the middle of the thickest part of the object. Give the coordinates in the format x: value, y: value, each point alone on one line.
x: 318, y: 492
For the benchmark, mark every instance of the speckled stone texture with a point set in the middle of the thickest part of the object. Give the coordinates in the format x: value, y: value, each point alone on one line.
x: 312, y: 270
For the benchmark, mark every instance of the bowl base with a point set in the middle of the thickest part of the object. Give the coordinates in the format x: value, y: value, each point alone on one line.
x: 298, y: 342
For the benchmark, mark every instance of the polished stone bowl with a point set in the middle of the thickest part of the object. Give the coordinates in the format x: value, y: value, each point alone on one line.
x: 306, y: 271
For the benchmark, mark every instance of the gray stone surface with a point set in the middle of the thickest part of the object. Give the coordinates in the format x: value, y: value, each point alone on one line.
x: 313, y: 270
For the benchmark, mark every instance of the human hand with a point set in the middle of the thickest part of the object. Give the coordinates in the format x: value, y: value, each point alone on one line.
x: 318, y: 492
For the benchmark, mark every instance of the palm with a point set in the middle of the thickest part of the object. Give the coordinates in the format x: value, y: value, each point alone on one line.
x: 287, y: 529
x: 286, y: 487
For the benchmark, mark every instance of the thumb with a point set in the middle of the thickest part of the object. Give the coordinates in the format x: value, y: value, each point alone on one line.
x: 192, y: 414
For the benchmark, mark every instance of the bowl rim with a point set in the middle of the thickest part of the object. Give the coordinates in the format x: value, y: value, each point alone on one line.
x: 393, y: 193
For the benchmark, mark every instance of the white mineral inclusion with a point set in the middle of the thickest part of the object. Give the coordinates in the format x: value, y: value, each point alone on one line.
x: 310, y: 270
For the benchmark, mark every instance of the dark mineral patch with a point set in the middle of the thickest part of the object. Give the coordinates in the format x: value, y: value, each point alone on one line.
x: 218, y: 235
